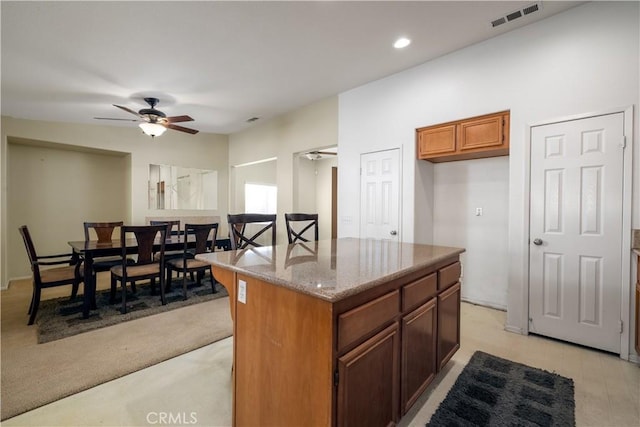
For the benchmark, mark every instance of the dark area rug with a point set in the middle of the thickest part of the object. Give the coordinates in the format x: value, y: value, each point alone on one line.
x: 492, y: 391
x: 61, y: 317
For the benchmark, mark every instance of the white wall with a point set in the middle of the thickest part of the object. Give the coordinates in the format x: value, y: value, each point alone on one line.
x: 580, y: 61
x: 204, y: 151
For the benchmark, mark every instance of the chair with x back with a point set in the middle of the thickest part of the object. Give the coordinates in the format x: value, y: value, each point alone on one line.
x: 199, y: 235
x: 68, y: 274
x: 145, y: 267
x: 298, y: 224
x: 242, y: 237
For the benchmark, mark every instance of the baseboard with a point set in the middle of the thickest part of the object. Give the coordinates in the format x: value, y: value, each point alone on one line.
x: 5, y: 286
x: 515, y: 330
x: 484, y: 304
x: 634, y: 358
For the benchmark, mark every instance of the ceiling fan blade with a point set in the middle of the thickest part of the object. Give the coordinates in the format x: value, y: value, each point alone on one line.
x: 176, y: 119
x: 111, y: 118
x: 327, y: 153
x: 181, y: 129
x: 128, y: 110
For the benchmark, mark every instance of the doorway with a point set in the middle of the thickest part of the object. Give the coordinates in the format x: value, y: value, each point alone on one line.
x: 576, y: 228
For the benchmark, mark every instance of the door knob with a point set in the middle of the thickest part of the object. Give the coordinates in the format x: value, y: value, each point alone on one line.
x: 537, y: 242
x: 393, y: 232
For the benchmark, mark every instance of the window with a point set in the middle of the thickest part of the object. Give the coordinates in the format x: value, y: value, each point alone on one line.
x: 260, y: 198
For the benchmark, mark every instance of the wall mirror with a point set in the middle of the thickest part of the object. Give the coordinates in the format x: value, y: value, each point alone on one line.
x: 175, y: 187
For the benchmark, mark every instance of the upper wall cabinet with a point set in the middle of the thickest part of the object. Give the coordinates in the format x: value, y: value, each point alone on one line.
x: 472, y: 138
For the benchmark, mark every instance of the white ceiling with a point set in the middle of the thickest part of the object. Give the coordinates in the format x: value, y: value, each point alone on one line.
x: 221, y: 62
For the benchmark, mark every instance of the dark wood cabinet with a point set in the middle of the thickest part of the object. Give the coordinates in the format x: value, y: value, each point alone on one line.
x: 368, y: 382
x: 419, y: 344
x: 448, y: 324
x: 360, y: 360
x: 472, y: 138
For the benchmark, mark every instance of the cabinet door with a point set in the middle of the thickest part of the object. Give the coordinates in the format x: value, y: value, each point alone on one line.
x: 448, y: 324
x: 368, y: 382
x: 418, y: 352
x: 436, y: 140
x: 486, y: 132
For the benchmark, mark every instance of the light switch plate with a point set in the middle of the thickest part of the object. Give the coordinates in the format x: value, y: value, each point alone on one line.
x: 242, y: 291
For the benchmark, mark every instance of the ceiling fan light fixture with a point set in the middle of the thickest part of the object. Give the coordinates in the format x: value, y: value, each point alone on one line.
x: 313, y: 156
x: 152, y: 129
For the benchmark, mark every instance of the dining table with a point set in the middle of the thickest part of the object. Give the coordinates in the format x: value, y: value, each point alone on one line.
x: 88, y: 250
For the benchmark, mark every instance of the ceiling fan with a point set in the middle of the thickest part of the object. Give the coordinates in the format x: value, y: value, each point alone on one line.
x: 154, y: 122
x: 317, y: 155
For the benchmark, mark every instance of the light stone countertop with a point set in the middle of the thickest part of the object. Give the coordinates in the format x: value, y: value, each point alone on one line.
x: 331, y: 269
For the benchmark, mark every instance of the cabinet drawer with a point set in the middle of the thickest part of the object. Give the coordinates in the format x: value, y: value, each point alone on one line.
x: 366, y: 318
x: 419, y: 291
x: 448, y: 275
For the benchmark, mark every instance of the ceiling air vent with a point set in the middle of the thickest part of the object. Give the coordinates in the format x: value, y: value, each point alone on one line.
x: 514, y: 15
x: 530, y: 9
x: 517, y: 14
x: 498, y: 22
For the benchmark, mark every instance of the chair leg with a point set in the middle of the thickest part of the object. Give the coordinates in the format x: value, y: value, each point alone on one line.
x: 112, y: 294
x: 184, y: 286
x: 133, y: 288
x: 168, y: 279
x: 162, y: 286
x: 74, y: 289
x: 123, y: 310
x: 33, y: 297
x: 34, y: 303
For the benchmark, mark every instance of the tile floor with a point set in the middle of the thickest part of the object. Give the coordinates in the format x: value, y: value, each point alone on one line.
x: 194, y: 389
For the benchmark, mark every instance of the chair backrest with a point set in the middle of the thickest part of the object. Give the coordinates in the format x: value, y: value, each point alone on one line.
x: 31, y: 250
x: 173, y: 227
x: 237, y: 226
x: 146, y: 236
x: 303, y: 223
x: 104, y: 230
x: 202, y: 233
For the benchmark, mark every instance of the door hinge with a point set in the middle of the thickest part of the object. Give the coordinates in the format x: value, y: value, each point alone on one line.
x: 624, y: 142
x: 336, y: 378
x: 620, y: 324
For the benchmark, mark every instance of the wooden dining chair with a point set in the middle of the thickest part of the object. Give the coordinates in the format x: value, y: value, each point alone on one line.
x: 300, y: 223
x: 145, y: 267
x: 69, y: 274
x: 241, y: 237
x: 202, y: 233
x: 104, y: 232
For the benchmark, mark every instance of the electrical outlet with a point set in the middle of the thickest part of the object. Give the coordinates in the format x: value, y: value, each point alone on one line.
x: 478, y: 211
x: 242, y: 291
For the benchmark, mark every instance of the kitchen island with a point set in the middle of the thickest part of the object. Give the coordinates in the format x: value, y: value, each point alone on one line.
x: 338, y: 332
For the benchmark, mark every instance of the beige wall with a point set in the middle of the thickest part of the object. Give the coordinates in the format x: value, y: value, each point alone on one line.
x: 307, y: 128
x: 205, y: 151
x: 44, y: 193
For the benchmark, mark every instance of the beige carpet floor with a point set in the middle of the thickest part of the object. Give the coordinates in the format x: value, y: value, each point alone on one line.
x: 36, y: 374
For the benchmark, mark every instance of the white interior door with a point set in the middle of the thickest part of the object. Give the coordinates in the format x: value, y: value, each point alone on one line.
x: 380, y: 195
x: 575, y: 277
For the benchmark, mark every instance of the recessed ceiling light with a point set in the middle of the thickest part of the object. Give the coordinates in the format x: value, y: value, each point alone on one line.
x: 402, y: 42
